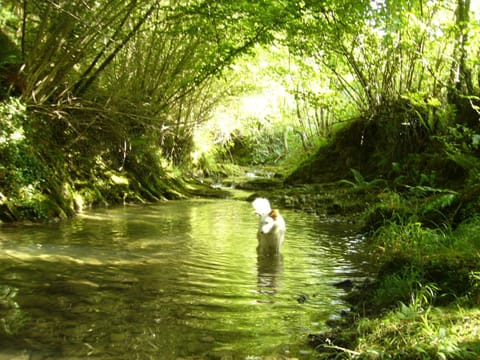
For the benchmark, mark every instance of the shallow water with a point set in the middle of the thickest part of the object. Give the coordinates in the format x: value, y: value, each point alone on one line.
x: 173, y: 280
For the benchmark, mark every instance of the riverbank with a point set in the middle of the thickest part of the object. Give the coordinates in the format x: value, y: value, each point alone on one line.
x: 48, y: 174
x: 422, y: 300
x: 423, y: 245
x: 416, y: 200
x: 422, y: 303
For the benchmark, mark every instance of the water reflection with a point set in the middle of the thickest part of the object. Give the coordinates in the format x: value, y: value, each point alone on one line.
x: 270, y: 272
x: 179, y: 279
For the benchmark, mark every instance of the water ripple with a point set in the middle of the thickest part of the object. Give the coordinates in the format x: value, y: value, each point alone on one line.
x: 182, y: 278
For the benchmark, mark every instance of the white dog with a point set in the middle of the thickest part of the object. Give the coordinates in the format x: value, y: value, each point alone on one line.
x: 271, y: 228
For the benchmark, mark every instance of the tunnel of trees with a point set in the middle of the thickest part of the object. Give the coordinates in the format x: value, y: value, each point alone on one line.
x: 115, y: 101
x: 104, y: 101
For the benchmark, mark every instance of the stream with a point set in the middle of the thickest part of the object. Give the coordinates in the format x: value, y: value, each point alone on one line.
x: 174, y: 280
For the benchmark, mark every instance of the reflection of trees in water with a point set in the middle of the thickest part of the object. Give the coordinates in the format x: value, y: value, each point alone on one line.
x: 13, y: 318
x: 269, y: 272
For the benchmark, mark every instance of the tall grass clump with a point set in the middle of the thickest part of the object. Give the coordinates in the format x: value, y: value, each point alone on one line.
x: 426, y: 294
x: 410, y: 239
x: 466, y: 237
x: 412, y: 332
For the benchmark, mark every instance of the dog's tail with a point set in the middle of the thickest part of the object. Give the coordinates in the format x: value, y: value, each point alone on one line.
x: 261, y: 206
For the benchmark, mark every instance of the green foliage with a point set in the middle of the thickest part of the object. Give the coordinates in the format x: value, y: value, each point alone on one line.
x: 438, y: 203
x: 422, y: 269
x: 461, y: 145
x: 256, y: 120
x: 391, y: 208
x: 397, y: 287
x: 466, y: 237
x: 410, y: 238
x: 413, y: 332
x: 21, y: 170
x: 389, y: 50
x: 360, y: 183
x: 257, y: 147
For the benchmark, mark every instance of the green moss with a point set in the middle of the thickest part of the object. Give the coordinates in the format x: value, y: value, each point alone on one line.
x: 410, y: 332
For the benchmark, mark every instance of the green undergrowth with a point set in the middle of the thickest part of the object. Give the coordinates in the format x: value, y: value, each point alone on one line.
x: 423, y: 302
x: 51, y: 172
x: 413, y: 332
x: 428, y: 288
x: 417, y: 199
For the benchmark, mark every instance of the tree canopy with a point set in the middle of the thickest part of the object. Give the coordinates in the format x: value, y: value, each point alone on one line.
x: 372, y: 105
x: 374, y: 51
x: 127, y: 84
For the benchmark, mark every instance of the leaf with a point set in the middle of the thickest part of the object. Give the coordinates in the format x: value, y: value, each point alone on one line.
x: 358, y: 176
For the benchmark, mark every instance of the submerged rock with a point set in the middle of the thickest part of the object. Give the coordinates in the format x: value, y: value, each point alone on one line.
x: 347, y: 284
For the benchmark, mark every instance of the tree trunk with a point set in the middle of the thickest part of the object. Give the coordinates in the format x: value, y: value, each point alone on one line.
x: 86, y: 83
x: 460, y: 74
x: 461, y: 85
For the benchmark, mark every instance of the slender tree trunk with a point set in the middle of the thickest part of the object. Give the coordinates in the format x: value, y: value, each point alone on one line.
x: 460, y: 74
x: 78, y: 87
x: 84, y: 85
x: 24, y: 27
x: 461, y: 84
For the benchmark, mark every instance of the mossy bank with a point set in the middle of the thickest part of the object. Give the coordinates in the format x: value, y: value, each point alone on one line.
x: 419, y: 211
x: 50, y: 172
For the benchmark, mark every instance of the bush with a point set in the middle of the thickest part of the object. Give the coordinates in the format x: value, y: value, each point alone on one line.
x: 22, y: 172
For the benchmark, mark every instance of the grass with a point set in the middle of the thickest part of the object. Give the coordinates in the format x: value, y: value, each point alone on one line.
x: 413, y: 332
x: 424, y: 303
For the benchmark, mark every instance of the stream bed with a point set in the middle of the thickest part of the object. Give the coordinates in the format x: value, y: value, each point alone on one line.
x: 174, y: 280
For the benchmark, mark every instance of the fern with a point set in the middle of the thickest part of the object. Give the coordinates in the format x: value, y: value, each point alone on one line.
x: 424, y: 190
x: 464, y: 160
x: 358, y: 177
x: 441, y: 202
x: 360, y: 182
